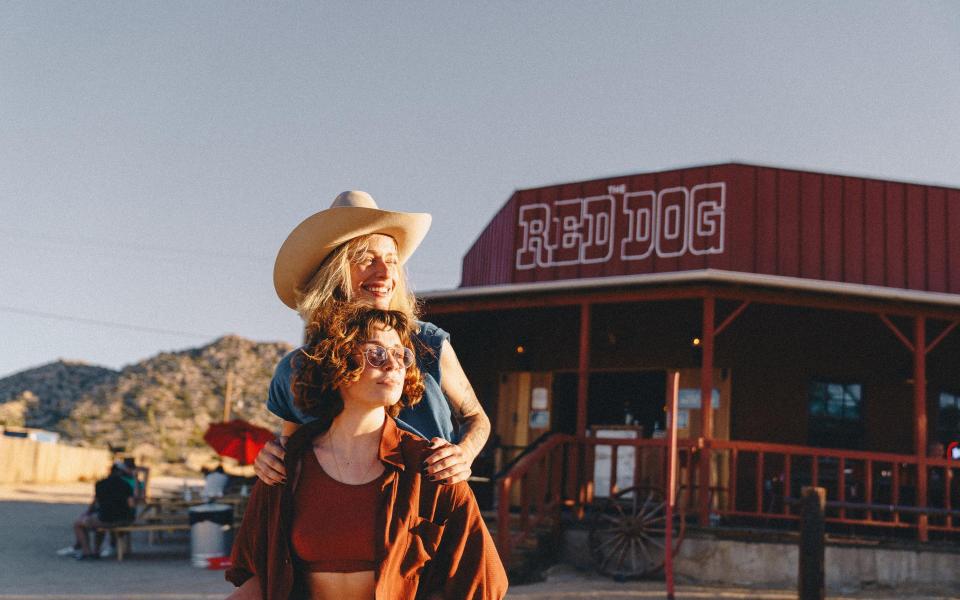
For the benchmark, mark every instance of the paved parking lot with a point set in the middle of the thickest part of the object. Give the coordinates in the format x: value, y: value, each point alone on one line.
x: 36, y: 520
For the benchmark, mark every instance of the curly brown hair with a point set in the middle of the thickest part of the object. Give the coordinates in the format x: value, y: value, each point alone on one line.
x: 329, y: 359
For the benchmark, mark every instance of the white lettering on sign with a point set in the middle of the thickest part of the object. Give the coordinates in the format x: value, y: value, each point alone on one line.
x: 672, y: 222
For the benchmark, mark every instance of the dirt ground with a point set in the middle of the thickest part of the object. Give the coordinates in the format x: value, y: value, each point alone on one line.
x: 35, y: 521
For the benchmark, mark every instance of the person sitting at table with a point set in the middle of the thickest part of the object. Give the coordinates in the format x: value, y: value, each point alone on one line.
x: 214, y: 482
x: 113, y: 504
x: 359, y: 519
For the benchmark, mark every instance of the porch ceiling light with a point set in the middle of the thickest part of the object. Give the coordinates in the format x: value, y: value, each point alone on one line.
x: 520, y: 349
x: 696, y: 341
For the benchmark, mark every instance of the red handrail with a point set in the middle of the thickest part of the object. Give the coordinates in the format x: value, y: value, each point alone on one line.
x: 519, y: 474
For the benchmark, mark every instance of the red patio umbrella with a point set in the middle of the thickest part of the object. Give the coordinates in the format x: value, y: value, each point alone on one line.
x: 237, y: 439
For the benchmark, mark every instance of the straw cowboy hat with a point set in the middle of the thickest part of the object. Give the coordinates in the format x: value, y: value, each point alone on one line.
x: 352, y: 214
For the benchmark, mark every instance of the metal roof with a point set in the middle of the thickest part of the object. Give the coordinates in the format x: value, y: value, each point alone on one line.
x: 701, y: 276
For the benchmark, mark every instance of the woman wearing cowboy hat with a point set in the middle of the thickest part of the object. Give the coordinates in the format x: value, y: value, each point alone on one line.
x: 354, y: 251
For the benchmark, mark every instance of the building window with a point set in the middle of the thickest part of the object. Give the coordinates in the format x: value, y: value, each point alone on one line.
x: 948, y: 418
x: 835, y: 415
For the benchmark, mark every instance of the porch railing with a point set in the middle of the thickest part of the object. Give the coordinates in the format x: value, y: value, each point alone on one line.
x: 535, y: 485
x: 869, y: 489
x: 751, y: 483
x: 649, y: 466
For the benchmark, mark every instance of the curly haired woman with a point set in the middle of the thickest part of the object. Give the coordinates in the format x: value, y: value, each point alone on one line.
x: 358, y: 519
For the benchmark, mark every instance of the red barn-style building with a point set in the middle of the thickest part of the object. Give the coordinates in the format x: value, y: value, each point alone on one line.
x: 812, y: 318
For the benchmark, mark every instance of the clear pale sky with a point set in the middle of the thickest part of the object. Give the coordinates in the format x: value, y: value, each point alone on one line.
x: 153, y: 156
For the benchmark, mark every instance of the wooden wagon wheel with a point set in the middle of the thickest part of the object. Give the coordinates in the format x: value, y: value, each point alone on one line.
x: 627, y: 533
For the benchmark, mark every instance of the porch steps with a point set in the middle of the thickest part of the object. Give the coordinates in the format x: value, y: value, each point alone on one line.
x: 534, y: 554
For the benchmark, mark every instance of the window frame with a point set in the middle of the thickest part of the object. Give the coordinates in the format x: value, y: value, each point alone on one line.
x: 946, y: 435
x: 836, y: 415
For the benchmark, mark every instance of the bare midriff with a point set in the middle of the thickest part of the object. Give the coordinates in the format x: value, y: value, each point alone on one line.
x: 332, y: 534
x: 359, y: 585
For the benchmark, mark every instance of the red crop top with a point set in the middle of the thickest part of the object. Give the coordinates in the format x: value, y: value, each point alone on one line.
x: 333, y: 522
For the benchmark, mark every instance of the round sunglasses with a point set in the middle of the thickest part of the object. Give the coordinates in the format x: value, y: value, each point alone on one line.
x: 377, y: 355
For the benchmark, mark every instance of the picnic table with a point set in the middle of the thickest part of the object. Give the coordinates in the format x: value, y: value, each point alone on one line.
x: 165, y: 514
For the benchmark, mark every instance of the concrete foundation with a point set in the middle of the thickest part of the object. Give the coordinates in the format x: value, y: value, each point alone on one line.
x: 708, y: 559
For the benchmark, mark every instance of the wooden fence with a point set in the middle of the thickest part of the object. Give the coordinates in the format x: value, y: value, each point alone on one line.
x: 27, y: 461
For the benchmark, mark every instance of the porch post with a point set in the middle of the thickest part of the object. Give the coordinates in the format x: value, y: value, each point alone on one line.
x: 579, y: 471
x: 920, y: 418
x: 706, y: 407
x: 583, y: 369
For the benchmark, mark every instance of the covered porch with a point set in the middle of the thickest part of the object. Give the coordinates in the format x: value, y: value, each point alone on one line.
x: 848, y: 387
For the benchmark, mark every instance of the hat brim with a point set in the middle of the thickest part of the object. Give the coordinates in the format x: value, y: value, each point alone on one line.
x: 318, y: 235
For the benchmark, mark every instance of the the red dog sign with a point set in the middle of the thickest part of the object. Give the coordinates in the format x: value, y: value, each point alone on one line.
x: 666, y: 223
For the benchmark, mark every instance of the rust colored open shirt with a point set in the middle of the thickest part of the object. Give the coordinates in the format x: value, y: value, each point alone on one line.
x: 431, y: 541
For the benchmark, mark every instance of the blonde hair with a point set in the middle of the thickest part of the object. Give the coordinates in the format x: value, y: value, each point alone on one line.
x: 332, y: 284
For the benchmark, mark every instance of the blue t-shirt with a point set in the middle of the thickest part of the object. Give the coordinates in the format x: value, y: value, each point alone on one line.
x: 429, y: 418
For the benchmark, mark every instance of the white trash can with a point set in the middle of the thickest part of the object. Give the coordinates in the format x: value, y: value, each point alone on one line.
x: 211, y: 532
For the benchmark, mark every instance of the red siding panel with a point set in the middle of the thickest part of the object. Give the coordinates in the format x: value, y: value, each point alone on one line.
x: 788, y: 224
x: 741, y: 197
x: 895, y: 221
x: 936, y: 227
x: 766, y: 221
x: 833, y: 228
x: 953, y: 241
x: 874, y: 232
x: 854, y: 238
x: 916, y: 233
x: 505, y: 264
x: 811, y: 226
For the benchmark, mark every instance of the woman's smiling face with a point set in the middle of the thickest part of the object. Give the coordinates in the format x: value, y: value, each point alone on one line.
x: 373, y: 276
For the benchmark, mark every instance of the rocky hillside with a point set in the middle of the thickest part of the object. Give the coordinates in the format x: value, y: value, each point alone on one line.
x: 158, y: 408
x: 41, y: 397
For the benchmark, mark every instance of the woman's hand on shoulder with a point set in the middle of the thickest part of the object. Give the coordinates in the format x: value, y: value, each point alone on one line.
x: 269, y: 465
x: 447, y: 463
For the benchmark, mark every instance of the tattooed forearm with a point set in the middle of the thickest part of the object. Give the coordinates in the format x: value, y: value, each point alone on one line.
x: 475, y: 430
x: 474, y: 424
